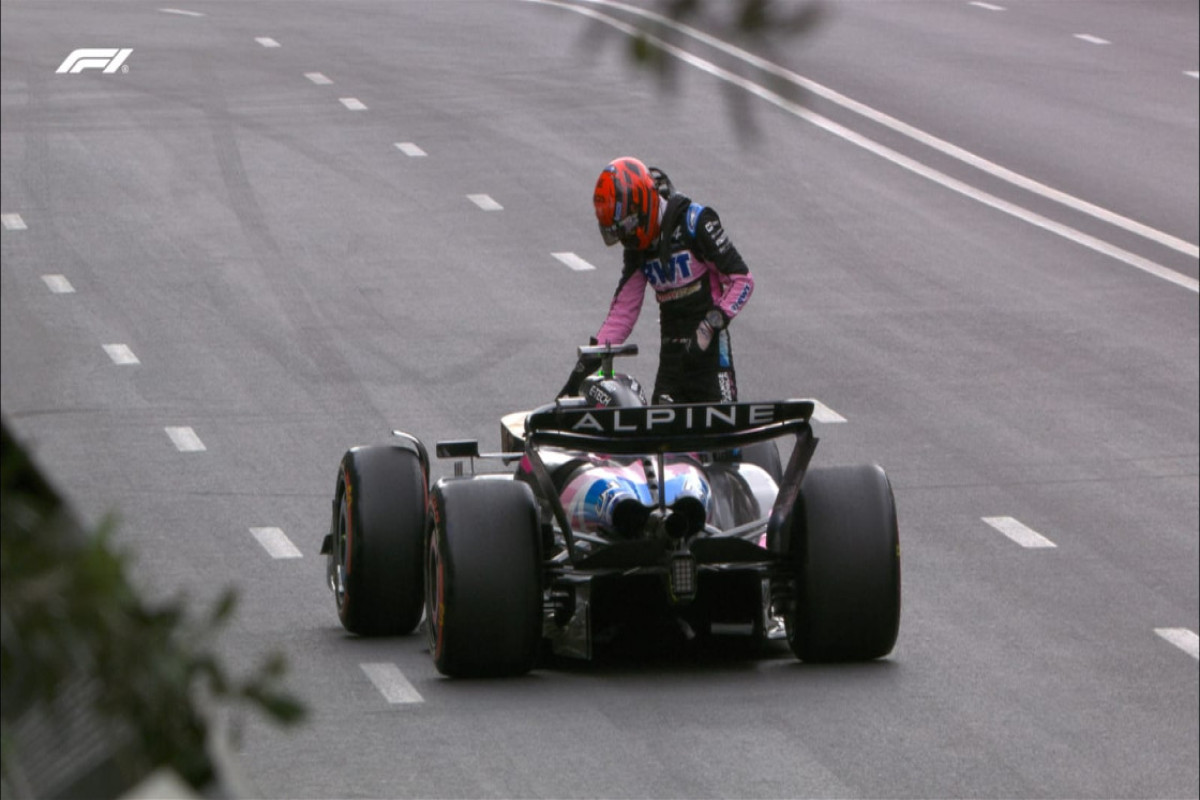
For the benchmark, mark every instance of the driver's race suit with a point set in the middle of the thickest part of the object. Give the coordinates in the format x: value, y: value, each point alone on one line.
x: 693, y: 270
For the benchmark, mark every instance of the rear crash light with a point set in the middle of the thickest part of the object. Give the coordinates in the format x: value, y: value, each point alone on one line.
x: 681, y: 577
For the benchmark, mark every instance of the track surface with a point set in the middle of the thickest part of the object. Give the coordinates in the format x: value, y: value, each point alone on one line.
x: 291, y: 282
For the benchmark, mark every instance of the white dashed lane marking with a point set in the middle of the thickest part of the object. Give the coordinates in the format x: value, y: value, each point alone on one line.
x: 1019, y: 533
x: 181, y: 12
x: 353, y: 103
x: 12, y: 222
x: 58, y: 284
x: 986, y: 6
x: 276, y: 543
x: 392, y: 684
x: 485, y: 202
x: 1186, y: 640
x: 411, y: 150
x: 266, y: 41
x: 1191, y: 73
x: 1087, y: 37
x: 318, y: 78
x: 823, y: 413
x: 573, y: 261
x: 121, y: 354
x: 185, y: 440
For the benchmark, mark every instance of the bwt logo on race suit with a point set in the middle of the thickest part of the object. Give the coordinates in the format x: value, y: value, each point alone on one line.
x: 107, y: 59
x: 677, y: 270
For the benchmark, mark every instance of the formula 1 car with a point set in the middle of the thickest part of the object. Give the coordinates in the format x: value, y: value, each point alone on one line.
x: 618, y: 512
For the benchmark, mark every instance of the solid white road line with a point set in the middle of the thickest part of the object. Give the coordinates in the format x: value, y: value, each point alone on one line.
x: 266, y: 41
x: 987, y: 6
x: 823, y: 413
x: 318, y: 78
x: 1022, y: 535
x: 485, y: 202
x: 1191, y: 73
x: 411, y: 150
x: 181, y: 12
x: 121, y: 354
x: 1186, y: 640
x: 58, y: 284
x: 1087, y: 37
x: 276, y: 543
x: 12, y: 222
x: 573, y: 261
x: 911, y: 164
x: 390, y: 681
x: 879, y: 117
x: 353, y: 103
x: 185, y: 440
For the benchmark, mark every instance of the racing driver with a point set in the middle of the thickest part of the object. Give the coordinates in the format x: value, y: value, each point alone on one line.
x: 700, y: 281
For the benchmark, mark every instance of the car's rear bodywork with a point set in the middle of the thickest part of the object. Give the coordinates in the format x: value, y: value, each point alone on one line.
x: 699, y: 549
x: 616, y: 517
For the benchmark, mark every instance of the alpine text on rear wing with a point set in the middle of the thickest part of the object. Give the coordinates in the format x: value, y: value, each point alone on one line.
x: 675, y: 428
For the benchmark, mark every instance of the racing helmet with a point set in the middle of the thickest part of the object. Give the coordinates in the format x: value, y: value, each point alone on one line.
x: 612, y: 391
x: 626, y: 201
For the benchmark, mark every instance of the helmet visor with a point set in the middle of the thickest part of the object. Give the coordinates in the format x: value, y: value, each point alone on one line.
x: 623, y: 230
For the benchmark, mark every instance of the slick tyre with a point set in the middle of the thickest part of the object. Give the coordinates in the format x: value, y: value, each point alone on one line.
x: 376, y: 567
x: 845, y: 546
x: 484, y: 578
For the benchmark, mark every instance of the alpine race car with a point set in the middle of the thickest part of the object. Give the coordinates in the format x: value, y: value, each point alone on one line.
x: 617, y: 512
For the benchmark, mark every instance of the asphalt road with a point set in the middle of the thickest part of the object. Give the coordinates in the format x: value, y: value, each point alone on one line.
x: 973, y: 228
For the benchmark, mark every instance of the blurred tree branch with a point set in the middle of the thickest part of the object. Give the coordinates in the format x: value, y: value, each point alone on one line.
x: 762, y: 27
x: 75, y: 632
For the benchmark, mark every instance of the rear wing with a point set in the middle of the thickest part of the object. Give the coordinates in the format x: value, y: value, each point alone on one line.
x: 665, y: 429
x: 657, y: 430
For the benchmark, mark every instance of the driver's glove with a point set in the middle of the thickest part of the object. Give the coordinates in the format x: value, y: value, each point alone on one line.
x: 713, y: 321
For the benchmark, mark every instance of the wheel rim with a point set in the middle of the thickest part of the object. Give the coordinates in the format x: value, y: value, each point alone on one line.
x: 434, y: 597
x: 339, y: 549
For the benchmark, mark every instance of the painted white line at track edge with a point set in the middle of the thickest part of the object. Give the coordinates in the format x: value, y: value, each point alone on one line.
x: 879, y: 117
x: 391, y: 683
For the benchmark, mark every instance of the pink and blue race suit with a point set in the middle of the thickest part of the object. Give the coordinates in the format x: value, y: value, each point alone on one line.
x: 693, y: 270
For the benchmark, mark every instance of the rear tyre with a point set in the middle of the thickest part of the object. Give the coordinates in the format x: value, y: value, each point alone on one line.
x: 484, y: 578
x: 378, y: 531
x: 845, y: 545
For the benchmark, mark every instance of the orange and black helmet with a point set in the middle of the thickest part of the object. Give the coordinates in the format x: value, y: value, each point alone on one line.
x: 626, y: 201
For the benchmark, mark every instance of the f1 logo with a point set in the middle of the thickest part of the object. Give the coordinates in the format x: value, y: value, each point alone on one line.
x: 108, y: 59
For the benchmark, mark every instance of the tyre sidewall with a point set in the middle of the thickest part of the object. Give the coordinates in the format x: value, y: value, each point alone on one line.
x: 845, y: 548
x: 484, y: 573
x: 383, y: 497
